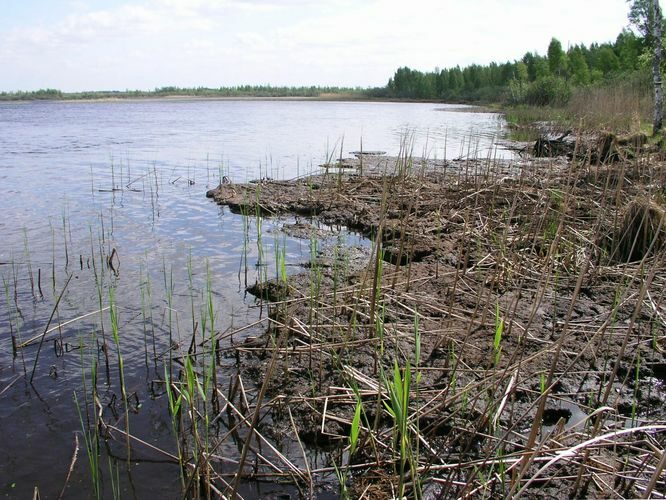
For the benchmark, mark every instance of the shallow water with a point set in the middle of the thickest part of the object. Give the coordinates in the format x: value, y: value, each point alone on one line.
x: 80, y: 180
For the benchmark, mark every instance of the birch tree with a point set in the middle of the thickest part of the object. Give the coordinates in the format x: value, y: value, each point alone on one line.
x: 646, y: 16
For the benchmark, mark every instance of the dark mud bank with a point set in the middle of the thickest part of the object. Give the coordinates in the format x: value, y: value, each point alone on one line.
x: 500, y: 291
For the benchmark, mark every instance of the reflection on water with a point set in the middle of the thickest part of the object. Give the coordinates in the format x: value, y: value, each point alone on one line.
x: 112, y: 195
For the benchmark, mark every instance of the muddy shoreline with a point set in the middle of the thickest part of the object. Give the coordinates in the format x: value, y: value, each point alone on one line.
x: 530, y: 249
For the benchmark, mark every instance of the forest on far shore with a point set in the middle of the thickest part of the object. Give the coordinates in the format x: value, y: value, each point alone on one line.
x: 534, y: 79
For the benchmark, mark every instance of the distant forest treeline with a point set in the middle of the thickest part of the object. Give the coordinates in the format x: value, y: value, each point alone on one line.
x: 239, y: 91
x: 534, y: 79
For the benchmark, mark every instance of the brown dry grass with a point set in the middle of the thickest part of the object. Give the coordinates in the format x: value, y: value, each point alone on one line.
x: 462, y: 248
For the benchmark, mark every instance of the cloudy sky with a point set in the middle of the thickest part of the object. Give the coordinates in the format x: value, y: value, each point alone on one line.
x: 77, y: 45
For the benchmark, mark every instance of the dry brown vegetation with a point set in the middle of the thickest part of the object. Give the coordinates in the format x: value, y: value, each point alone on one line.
x: 622, y: 106
x: 505, y: 335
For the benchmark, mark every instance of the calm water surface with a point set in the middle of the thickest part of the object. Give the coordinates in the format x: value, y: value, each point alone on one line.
x: 80, y: 180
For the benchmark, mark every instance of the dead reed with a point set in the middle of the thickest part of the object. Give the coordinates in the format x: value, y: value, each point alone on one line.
x: 491, y: 342
x: 488, y: 348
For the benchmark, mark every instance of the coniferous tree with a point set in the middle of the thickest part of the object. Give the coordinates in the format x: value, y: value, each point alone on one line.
x: 537, y: 79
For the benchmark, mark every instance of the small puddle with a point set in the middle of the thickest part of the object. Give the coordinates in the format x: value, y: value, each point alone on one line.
x: 563, y: 409
x: 659, y: 371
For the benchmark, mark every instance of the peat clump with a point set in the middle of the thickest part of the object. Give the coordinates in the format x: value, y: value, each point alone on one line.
x: 640, y: 233
x: 603, y: 148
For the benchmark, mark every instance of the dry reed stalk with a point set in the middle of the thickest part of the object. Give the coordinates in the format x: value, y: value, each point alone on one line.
x: 549, y: 272
x: 72, y: 463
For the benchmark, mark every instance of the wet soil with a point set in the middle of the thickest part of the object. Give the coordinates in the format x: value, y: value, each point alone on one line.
x: 468, y: 248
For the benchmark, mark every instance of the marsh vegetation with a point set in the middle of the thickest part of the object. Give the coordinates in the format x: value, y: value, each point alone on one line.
x: 385, y: 325
x: 504, y: 336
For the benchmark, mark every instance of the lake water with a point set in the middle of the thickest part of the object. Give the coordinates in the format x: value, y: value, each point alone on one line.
x: 83, y: 183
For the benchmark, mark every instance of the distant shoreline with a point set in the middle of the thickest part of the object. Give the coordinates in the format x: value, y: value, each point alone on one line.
x: 186, y: 98
x: 213, y: 98
x: 127, y: 98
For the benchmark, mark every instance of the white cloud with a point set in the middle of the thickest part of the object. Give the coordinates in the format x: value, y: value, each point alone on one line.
x: 225, y: 42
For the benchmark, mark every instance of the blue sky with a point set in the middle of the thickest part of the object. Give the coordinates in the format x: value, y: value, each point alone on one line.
x: 117, y: 44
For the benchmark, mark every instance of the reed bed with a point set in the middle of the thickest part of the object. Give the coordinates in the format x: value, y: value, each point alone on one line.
x: 622, y: 106
x: 503, y: 334
x: 503, y: 338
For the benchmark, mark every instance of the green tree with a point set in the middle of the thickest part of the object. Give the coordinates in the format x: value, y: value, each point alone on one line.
x: 580, y: 72
x: 456, y: 80
x: 442, y: 86
x: 518, y: 84
x: 628, y: 48
x: 528, y: 59
x: 557, y: 59
x: 607, y: 61
x: 541, y: 68
x: 521, y: 72
x: 404, y: 83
